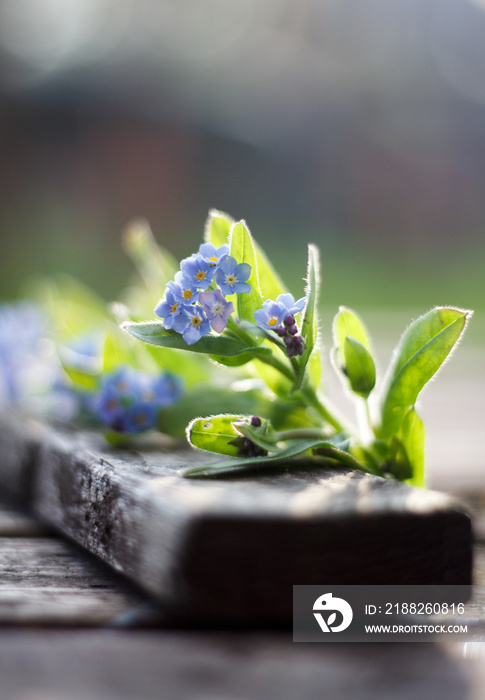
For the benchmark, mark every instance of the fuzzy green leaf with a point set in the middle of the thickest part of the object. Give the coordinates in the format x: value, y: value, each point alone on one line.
x: 352, y: 353
x: 217, y: 228
x: 214, y: 433
x: 296, y: 447
x: 359, y: 367
x: 309, y: 326
x: 153, y: 332
x: 243, y: 250
x: 423, y: 348
x: 292, y: 449
x: 413, y: 438
x: 347, y: 323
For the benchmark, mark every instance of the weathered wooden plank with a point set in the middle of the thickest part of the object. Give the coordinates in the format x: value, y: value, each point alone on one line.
x: 188, y: 666
x: 231, y: 550
x: 48, y: 581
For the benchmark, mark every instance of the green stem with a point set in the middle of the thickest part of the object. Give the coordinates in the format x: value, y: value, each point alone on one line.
x: 317, y: 403
x: 308, y: 392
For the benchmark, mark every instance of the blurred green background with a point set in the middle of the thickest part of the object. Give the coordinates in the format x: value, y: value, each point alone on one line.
x: 358, y: 126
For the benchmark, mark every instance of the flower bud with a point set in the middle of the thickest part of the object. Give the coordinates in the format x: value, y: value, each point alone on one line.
x: 289, y: 320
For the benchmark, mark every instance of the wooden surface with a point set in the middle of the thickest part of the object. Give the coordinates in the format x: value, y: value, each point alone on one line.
x: 45, y: 580
x: 62, y: 663
x: 119, y: 664
x: 230, y: 551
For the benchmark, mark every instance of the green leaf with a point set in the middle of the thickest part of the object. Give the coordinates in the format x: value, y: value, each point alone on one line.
x: 347, y: 323
x: 243, y: 250
x: 413, y: 438
x: 270, y: 283
x: 423, y: 348
x: 352, y: 352
x: 82, y: 378
x: 359, y: 367
x: 214, y: 433
x: 153, y: 332
x: 115, y: 353
x: 294, y: 448
x: 243, y: 358
x: 217, y: 228
x: 309, y: 326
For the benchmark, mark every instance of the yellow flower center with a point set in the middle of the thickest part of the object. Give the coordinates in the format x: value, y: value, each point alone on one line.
x: 200, y: 276
x: 230, y: 279
x: 196, y: 321
x: 187, y: 294
x: 174, y: 308
x: 272, y: 322
x: 212, y: 259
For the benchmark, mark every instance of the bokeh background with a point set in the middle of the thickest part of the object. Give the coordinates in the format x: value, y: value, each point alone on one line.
x: 356, y: 125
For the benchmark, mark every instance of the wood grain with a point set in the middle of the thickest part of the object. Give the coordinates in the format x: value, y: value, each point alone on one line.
x: 50, y: 582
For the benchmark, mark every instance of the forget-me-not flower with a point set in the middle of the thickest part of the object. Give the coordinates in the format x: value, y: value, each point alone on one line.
x: 287, y: 301
x: 211, y: 253
x: 273, y: 313
x: 198, y: 271
x: 197, y: 324
x: 231, y: 277
x: 216, y: 308
x: 170, y: 310
x: 270, y: 316
x: 129, y: 400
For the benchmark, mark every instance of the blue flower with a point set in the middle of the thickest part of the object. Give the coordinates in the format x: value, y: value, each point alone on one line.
x: 183, y: 289
x: 129, y: 400
x: 287, y: 301
x: 213, y: 254
x: 274, y: 312
x: 170, y: 310
x: 197, y: 324
x: 198, y: 271
x: 231, y: 277
x: 216, y: 308
x: 270, y: 316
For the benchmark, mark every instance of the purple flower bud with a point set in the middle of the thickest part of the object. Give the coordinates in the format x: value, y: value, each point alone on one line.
x: 281, y: 330
x: 289, y: 320
x: 293, y: 330
x: 288, y: 340
x: 255, y: 421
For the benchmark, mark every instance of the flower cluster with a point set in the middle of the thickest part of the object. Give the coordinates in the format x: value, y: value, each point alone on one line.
x: 278, y: 316
x: 193, y: 304
x: 129, y: 400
